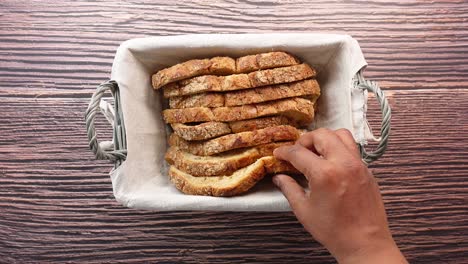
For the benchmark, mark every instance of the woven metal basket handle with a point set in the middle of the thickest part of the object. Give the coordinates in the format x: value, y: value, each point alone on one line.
x: 373, y: 87
x: 115, y: 150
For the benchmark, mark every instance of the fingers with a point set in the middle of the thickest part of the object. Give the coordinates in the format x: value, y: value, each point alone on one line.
x: 348, y: 140
x: 324, y: 142
x: 307, y: 162
x: 292, y: 191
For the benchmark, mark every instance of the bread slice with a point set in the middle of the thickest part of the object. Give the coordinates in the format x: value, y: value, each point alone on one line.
x: 237, y: 183
x: 309, y: 88
x: 267, y: 149
x: 235, y: 141
x: 281, y: 75
x: 210, y: 83
x: 267, y: 60
x: 259, y: 123
x: 298, y: 109
x: 197, y: 100
x: 222, y: 164
x: 273, y: 92
x: 191, y: 68
x: 222, y: 66
x: 201, y: 131
x: 275, y: 166
x: 209, y: 130
x: 207, y: 83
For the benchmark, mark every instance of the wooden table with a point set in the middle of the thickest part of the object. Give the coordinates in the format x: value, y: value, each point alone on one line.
x: 56, y: 202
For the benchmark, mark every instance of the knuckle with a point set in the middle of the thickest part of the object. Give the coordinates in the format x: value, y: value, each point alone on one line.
x: 358, y: 172
x: 329, y: 171
x: 323, y: 130
x: 328, y: 176
x: 354, y: 167
x: 343, y: 131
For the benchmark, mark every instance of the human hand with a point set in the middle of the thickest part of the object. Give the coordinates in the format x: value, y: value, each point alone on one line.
x: 343, y: 210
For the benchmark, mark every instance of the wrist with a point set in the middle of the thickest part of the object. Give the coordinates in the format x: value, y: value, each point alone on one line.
x: 385, y: 253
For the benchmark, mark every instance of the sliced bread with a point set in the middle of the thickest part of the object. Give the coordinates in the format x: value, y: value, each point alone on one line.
x: 211, y: 83
x: 298, y: 109
x: 191, y: 68
x: 209, y: 130
x: 237, y: 183
x: 235, y: 141
x: 259, y: 123
x: 307, y: 88
x: 267, y: 60
x: 201, y: 131
x: 221, y: 164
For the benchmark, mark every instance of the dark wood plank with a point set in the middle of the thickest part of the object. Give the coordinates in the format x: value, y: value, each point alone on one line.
x: 46, y: 50
x: 56, y: 201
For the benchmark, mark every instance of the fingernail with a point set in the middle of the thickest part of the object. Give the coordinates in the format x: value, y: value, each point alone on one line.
x: 275, y: 151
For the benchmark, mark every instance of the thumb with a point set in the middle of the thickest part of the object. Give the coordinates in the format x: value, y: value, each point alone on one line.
x: 293, y: 192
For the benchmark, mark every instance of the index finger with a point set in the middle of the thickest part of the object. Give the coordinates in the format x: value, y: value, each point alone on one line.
x: 324, y: 142
x: 304, y: 160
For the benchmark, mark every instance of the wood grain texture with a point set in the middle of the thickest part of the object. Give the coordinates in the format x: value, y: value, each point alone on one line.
x: 56, y: 202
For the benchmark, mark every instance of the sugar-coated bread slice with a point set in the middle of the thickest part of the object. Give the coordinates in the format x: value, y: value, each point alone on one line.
x: 221, y: 164
x: 298, y: 109
x: 235, y: 184
x: 236, y: 141
x: 191, y: 68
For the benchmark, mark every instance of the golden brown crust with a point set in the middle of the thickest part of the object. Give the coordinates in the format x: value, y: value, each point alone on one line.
x: 197, y: 100
x: 306, y: 88
x: 275, y: 166
x: 259, y: 123
x: 235, y: 141
x: 267, y: 149
x: 265, y: 61
x: 210, y: 83
x: 207, y: 83
x: 191, y: 68
x: 273, y: 92
x: 298, y: 109
x: 209, y: 130
x: 201, y: 131
x: 281, y: 75
x: 238, y: 183
x: 221, y: 164
x: 235, y: 184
